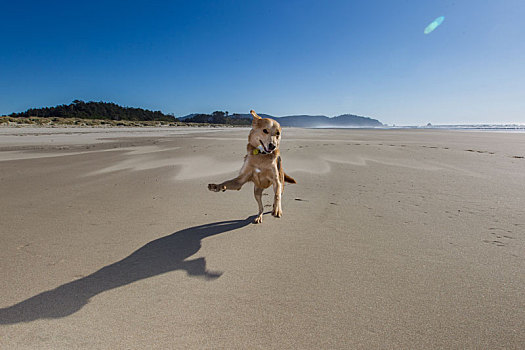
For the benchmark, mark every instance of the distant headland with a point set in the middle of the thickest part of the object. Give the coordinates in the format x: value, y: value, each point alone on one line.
x: 111, y: 114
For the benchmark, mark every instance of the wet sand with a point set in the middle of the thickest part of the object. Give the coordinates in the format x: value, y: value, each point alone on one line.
x: 390, y: 239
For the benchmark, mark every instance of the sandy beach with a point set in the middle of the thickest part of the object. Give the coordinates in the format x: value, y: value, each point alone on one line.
x: 392, y: 239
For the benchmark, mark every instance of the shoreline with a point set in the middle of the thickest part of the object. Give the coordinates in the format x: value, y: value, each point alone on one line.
x: 481, y: 128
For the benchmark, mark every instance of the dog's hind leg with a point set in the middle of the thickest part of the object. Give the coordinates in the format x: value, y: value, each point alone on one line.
x: 277, y: 209
x: 257, y: 191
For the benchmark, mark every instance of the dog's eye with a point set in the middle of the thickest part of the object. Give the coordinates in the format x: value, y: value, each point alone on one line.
x: 265, y: 131
x: 277, y: 133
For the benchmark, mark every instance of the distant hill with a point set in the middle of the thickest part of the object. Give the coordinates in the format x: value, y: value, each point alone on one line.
x: 301, y: 121
x: 233, y: 116
x: 249, y: 116
x: 96, y: 110
x: 317, y: 121
x: 187, y: 116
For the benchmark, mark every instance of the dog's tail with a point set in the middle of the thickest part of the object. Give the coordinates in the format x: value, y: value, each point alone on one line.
x: 288, y: 178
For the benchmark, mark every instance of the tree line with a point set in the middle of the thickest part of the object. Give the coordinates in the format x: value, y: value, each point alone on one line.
x: 96, y: 110
x: 219, y: 117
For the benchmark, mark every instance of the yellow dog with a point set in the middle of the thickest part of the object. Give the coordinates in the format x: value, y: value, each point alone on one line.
x: 262, y: 165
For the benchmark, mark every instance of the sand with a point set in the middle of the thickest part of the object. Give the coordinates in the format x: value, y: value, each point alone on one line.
x: 391, y: 239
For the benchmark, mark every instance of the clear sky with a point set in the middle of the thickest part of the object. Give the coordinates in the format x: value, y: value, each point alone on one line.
x: 278, y: 57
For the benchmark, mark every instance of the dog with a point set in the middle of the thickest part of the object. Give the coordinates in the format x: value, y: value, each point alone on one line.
x: 262, y: 165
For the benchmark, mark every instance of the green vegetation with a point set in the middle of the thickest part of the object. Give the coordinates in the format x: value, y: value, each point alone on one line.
x: 219, y: 117
x: 77, y: 122
x: 80, y: 113
x: 54, y: 121
x: 96, y: 110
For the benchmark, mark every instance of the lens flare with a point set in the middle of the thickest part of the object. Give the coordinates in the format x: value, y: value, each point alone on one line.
x: 430, y: 28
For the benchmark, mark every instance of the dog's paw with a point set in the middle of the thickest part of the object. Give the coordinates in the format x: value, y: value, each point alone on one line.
x: 277, y: 213
x: 258, y: 219
x: 216, y: 188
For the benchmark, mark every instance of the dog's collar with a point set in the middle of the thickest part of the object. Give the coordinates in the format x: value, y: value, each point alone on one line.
x: 257, y: 151
x: 260, y: 150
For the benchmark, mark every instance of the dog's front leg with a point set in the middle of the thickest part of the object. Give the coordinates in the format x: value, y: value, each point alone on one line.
x: 277, y: 189
x: 233, y: 184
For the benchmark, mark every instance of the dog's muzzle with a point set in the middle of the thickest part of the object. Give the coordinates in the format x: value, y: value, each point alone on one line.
x: 263, y: 148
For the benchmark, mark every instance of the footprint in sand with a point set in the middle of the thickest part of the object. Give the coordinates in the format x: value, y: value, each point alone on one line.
x: 499, y: 237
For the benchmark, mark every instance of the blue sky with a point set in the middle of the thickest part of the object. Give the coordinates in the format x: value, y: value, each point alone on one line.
x: 278, y: 57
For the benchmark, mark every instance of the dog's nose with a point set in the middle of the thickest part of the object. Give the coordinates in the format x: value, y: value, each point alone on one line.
x: 271, y: 146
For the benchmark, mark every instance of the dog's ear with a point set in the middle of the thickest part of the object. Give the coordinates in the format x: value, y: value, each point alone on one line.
x: 256, y: 118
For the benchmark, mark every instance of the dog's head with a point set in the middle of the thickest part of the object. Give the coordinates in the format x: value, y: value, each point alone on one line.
x: 265, y: 134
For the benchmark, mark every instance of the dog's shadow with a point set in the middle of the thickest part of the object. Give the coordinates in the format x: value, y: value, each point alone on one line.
x: 157, y: 257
